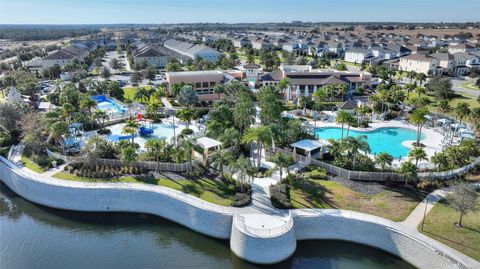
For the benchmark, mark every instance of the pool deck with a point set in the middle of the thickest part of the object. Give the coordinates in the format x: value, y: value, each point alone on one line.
x: 432, y: 140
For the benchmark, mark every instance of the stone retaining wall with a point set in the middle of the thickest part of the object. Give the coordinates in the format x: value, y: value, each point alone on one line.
x: 115, y: 197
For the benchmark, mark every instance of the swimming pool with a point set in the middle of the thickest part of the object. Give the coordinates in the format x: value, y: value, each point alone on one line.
x: 160, y: 130
x: 388, y: 139
x: 108, y: 105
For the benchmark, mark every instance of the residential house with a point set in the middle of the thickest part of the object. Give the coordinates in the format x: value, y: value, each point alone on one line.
x: 419, y: 63
x: 193, y: 51
x: 150, y: 55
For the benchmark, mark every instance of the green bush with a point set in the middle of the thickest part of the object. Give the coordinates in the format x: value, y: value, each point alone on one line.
x: 104, y: 131
x: 242, y: 199
x: 317, y: 174
x: 280, y: 196
x: 187, y: 131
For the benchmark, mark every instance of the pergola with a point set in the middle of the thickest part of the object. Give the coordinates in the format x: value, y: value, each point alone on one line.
x: 309, y: 145
x: 207, y: 143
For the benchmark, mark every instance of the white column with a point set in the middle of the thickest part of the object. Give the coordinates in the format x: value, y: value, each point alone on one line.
x: 315, y: 88
x: 306, y: 90
x: 297, y: 92
x: 289, y: 92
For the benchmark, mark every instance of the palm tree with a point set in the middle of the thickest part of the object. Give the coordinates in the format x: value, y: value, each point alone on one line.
x: 88, y: 104
x: 156, y: 147
x: 261, y: 136
x: 282, y: 85
x: 383, y: 159
x: 186, y: 115
x: 419, y: 118
x: 409, y: 87
x: 241, y: 167
x: 409, y: 171
x: 317, y: 107
x: 462, y: 110
x: 142, y: 94
x: 187, y: 146
x: 131, y: 128
x: 351, y: 120
x: 58, y: 129
x: 421, y: 77
x: 219, y: 158
x: 230, y: 138
x: 68, y: 109
x: 440, y: 159
x: 303, y: 102
x: 101, y: 116
x: 342, y: 89
x: 417, y: 154
x: 342, y: 117
x: 420, y: 90
x: 282, y: 161
x: 219, y: 89
x: 444, y: 106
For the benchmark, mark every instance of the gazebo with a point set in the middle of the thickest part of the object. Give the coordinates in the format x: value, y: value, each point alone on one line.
x: 309, y: 146
x: 207, y: 143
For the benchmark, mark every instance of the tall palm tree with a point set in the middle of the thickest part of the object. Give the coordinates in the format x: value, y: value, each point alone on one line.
x: 101, y: 116
x: 342, y: 118
x: 156, y: 147
x: 383, y: 159
x: 88, y: 104
x: 462, y: 110
x: 417, y: 154
x: 409, y: 88
x: 241, y: 167
x: 351, y: 120
x: 219, y: 158
x: 421, y: 77
x: 186, y: 115
x: 131, y: 128
x: 219, y: 89
x: 187, y: 146
x: 444, y: 106
x: 317, y: 107
x: 419, y: 118
x: 261, y: 136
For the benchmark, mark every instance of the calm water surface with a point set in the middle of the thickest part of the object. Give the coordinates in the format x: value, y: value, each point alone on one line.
x: 33, y: 236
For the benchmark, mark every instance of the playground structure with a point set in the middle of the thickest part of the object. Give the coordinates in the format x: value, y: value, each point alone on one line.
x: 146, y: 130
x: 70, y: 142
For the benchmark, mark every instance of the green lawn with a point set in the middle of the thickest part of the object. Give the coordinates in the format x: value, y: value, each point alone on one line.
x: 206, y: 189
x: 393, y: 204
x: 440, y: 225
x: 129, y: 92
x: 469, y: 99
x: 31, y: 165
x: 469, y: 86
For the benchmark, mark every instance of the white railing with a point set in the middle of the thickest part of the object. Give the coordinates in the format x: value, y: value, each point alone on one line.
x: 263, y: 232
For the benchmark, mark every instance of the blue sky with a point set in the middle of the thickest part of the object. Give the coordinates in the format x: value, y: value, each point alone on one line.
x: 174, y: 11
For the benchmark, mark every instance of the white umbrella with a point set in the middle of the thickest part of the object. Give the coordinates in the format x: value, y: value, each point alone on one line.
x: 468, y: 136
x: 444, y: 121
x: 458, y: 125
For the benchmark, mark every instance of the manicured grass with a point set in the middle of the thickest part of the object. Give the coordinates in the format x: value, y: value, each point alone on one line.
x: 469, y: 86
x: 393, y: 204
x: 129, y: 92
x: 469, y: 99
x: 440, y: 225
x: 209, y: 190
x: 31, y: 165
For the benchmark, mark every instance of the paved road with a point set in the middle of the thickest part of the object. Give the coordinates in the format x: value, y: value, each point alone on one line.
x: 456, y: 87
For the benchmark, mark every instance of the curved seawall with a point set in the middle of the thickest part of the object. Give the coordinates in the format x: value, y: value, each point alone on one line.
x: 183, y: 209
x: 247, y: 240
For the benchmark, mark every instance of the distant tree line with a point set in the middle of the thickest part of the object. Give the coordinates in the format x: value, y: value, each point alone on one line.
x: 47, y: 33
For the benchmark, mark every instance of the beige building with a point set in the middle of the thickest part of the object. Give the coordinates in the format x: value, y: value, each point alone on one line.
x: 419, y: 63
x: 203, y: 82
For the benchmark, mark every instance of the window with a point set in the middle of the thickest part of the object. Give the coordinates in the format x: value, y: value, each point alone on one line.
x: 205, y: 84
x: 198, y: 85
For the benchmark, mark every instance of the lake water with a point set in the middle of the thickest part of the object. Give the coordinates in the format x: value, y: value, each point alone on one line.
x: 33, y: 236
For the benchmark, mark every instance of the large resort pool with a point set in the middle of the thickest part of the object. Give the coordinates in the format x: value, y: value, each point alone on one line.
x: 160, y: 130
x: 388, y: 139
x: 110, y: 106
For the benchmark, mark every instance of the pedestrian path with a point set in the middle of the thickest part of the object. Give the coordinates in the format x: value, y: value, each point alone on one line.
x: 415, y: 218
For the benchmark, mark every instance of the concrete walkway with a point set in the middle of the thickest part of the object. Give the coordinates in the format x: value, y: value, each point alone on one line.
x: 416, y: 217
